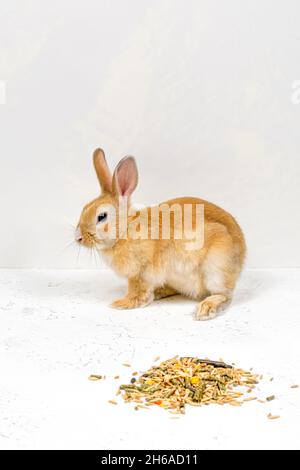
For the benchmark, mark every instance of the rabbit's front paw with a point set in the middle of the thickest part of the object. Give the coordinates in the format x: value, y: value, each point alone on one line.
x: 131, y: 302
x: 211, y: 306
x: 205, y: 311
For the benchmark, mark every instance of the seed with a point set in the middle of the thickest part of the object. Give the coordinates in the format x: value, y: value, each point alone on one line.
x: 156, y: 358
x: 250, y: 399
x: 294, y: 386
x: 133, y: 380
x: 126, y: 365
x: 112, y: 402
x: 271, y: 398
x: 116, y: 377
x: 95, y: 377
x: 252, y: 381
x: 273, y: 416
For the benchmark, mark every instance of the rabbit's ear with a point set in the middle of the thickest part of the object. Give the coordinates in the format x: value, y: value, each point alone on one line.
x: 125, y: 177
x: 102, y: 170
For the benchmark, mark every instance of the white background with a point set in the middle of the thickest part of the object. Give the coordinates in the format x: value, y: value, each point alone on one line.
x: 199, y: 91
x: 206, y: 95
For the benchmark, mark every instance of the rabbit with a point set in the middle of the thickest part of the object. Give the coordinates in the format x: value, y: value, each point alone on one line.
x: 160, y: 267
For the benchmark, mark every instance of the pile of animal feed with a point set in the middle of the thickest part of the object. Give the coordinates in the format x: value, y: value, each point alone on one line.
x: 182, y: 381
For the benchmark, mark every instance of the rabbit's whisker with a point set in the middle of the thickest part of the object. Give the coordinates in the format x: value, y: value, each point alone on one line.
x: 78, y: 253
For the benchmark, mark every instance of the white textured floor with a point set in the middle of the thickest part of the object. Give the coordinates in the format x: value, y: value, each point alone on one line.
x: 56, y: 329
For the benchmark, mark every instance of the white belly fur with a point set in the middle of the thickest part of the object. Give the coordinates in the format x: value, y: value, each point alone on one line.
x: 180, y: 274
x: 185, y: 278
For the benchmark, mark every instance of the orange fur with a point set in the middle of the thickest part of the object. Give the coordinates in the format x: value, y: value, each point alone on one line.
x: 156, y: 268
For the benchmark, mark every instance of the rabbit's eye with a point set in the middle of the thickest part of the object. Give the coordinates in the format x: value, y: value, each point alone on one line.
x: 101, y: 217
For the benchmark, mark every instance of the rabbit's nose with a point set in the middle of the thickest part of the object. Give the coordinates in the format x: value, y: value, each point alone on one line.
x: 78, y: 235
